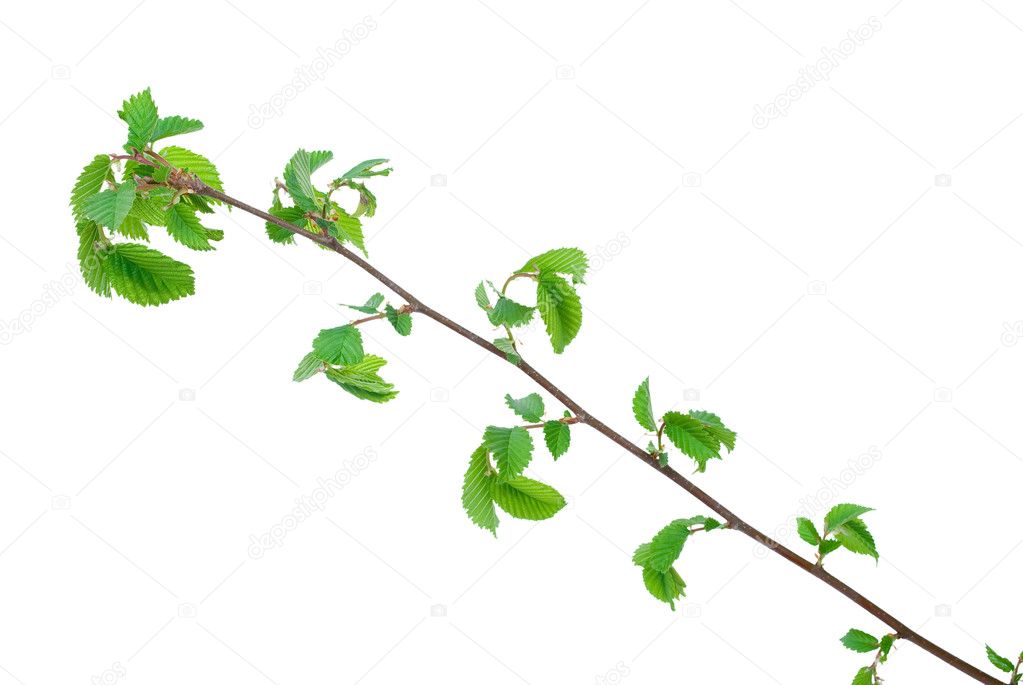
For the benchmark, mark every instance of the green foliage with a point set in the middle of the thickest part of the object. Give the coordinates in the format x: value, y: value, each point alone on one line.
x: 843, y: 527
x: 298, y: 180
x: 401, y: 321
x: 807, y: 531
x: 529, y: 407
x: 508, y: 347
x: 372, y: 305
x: 642, y: 407
x: 864, y: 676
x: 999, y: 661
x: 139, y: 112
x: 699, y: 435
x: 175, y: 126
x: 89, y: 183
x: 859, y: 641
x: 525, y: 498
x: 570, y: 261
x: 557, y: 435
x: 310, y: 365
x: 510, y: 313
x: 183, y: 225
x: 110, y: 207
x: 364, y: 170
x: 482, y: 299
x: 559, y: 308
x: 512, y: 449
x: 658, y: 556
x: 341, y: 345
x: 477, y: 497
x: 361, y: 379
x: 144, y: 276
x: 194, y: 163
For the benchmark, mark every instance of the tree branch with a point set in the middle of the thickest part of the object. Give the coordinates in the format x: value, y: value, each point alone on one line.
x: 904, y: 632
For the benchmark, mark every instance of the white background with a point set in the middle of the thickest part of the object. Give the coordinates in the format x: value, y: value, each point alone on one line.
x: 810, y: 280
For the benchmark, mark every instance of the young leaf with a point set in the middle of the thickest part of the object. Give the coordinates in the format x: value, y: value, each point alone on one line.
x: 175, y: 126
x: 292, y: 215
x: 713, y: 425
x: 558, y: 436
x: 840, y: 513
x: 133, y: 228
x: 341, y: 345
x: 349, y: 228
x: 361, y: 379
x: 559, y: 308
x: 509, y: 313
x: 808, y: 531
x: 525, y: 498
x: 529, y: 407
x: 826, y: 547
x: 859, y: 641
x: 372, y: 305
x: 367, y: 200
x: 90, y: 182
x: 481, y: 297
x: 564, y: 260
x: 195, y: 163
x: 90, y: 242
x: 139, y: 112
x: 364, y: 170
x: 512, y: 449
x: 666, y: 546
x: 297, y: 179
x: 476, y: 492
x: 854, y: 536
x: 642, y: 408
x: 401, y: 321
x: 692, y: 437
x: 147, y: 277
x: 184, y: 227
x: 864, y: 676
x: 506, y: 346
x: 998, y: 661
x: 886, y: 646
x: 666, y: 586
x: 308, y: 367
x: 110, y: 207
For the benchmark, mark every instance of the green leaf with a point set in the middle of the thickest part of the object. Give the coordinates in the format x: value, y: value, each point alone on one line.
x: 292, y: 215
x: 559, y: 308
x: 512, y: 449
x: 525, y: 498
x: 175, y: 126
x: 110, y: 207
x: 826, y: 547
x: 864, y: 676
x: 477, y: 499
x: 364, y: 170
x: 184, y: 227
x: 665, y: 548
x: 195, y: 163
x: 133, y: 228
x: 481, y: 297
x: 509, y: 313
x: 840, y: 513
x: 666, y: 586
x: 297, y: 179
x: 402, y: 321
x: 367, y: 200
x: 308, y: 367
x: 564, y: 260
x: 90, y: 182
x: 139, y: 112
x: 691, y: 436
x: 361, y: 379
x: 341, y: 345
x: 859, y: 641
x: 808, y: 531
x: 998, y: 661
x: 529, y: 407
x: 145, y: 276
x: 886, y: 646
x: 149, y: 207
x: 715, y: 427
x: 349, y: 228
x: 854, y: 536
x: 642, y: 407
x: 558, y: 436
x: 90, y: 243
x: 506, y: 346
x: 372, y: 305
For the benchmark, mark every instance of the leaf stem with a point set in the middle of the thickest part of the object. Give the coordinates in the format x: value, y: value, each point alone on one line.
x: 416, y: 305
